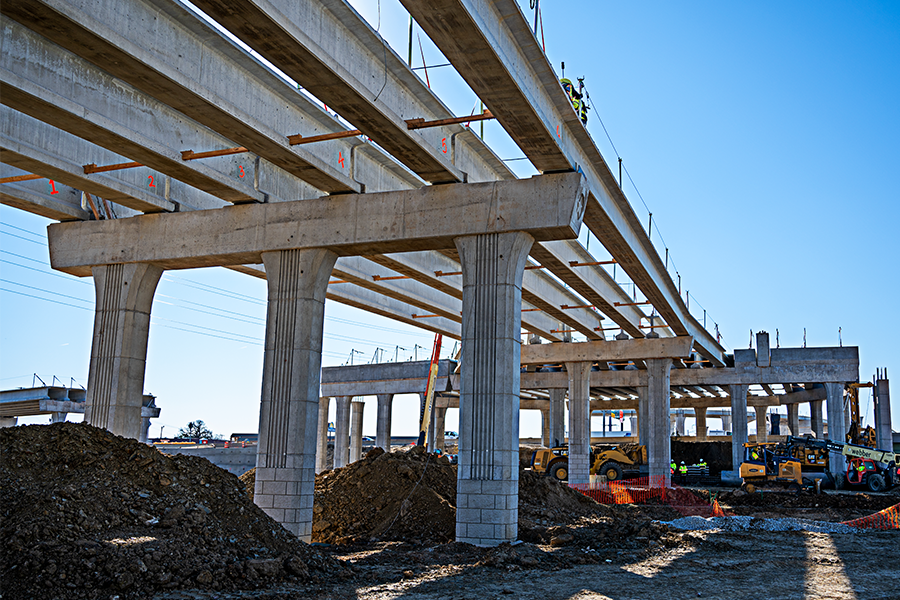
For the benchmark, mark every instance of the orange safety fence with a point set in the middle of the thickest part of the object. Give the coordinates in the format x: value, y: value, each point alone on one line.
x: 650, y: 490
x: 889, y: 518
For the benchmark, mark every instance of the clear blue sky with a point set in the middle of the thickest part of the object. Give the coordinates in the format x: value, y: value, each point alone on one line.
x: 763, y: 137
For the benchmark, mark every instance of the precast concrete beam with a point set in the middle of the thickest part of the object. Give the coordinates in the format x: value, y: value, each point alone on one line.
x: 32, y: 86
x: 493, y: 48
x: 36, y: 147
x: 209, y: 82
x: 37, y: 197
x: 124, y: 296
x: 619, y: 350
x: 591, y: 281
x: 547, y: 206
x: 289, y: 407
x: 278, y: 30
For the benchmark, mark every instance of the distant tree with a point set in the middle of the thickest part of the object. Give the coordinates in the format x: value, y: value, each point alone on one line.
x: 197, y: 429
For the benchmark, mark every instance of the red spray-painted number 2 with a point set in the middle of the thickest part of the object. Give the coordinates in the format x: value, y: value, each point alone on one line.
x: 150, y: 177
x: 53, y: 189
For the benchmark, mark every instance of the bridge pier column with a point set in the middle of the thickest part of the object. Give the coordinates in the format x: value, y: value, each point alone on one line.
x: 557, y: 417
x: 738, y: 426
x: 356, y: 423
x: 115, y: 391
x: 837, y: 431
x: 883, y: 436
x: 488, y: 475
x: 342, y: 432
x: 659, y: 441
x: 440, y: 417
x: 289, y: 407
x: 643, y: 415
x: 762, y: 432
x: 545, y: 427
x: 793, y: 417
x: 816, y: 423
x: 383, y: 423
x: 579, y: 422
x: 700, y: 418
x: 322, y: 437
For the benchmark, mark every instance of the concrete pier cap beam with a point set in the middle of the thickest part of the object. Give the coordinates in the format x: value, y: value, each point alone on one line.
x: 488, y: 475
x: 289, y: 408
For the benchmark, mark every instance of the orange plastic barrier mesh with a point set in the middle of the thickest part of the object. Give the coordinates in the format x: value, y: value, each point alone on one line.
x: 889, y: 518
x: 647, y: 490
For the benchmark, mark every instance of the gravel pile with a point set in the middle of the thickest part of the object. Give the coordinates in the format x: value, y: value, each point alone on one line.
x: 755, y: 524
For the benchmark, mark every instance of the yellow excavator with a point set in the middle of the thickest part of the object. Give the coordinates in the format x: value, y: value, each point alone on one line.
x: 765, y: 466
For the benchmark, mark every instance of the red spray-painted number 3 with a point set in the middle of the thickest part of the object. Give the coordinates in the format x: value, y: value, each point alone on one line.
x: 242, y: 170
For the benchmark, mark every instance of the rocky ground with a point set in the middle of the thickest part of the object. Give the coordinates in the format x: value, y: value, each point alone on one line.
x: 89, y: 515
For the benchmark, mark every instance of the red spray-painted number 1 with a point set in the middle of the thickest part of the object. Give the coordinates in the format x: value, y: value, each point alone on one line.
x: 53, y: 189
x: 151, y: 180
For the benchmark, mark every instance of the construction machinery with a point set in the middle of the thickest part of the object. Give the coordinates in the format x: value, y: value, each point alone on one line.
x: 865, y: 464
x: 769, y: 466
x: 612, y: 463
x: 857, y: 434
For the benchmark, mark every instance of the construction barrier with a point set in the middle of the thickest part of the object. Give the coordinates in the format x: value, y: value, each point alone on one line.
x: 650, y: 490
x: 889, y: 518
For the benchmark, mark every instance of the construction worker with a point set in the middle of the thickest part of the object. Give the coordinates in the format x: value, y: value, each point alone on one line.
x: 682, y: 469
x: 860, y: 469
x: 754, y: 453
x: 672, y: 468
x: 576, y: 98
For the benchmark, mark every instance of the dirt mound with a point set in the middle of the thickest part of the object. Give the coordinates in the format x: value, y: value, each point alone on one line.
x: 86, y: 514
x: 410, y: 496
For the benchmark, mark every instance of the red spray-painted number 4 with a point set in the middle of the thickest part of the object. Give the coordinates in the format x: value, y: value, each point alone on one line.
x: 341, y: 159
x: 150, y: 177
x: 53, y: 189
x: 444, y: 145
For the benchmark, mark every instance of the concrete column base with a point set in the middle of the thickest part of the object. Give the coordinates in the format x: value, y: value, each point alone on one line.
x: 440, y: 417
x: 643, y: 415
x: 883, y: 437
x: 837, y: 432
x: 488, y: 474
x: 115, y: 391
x: 289, y: 409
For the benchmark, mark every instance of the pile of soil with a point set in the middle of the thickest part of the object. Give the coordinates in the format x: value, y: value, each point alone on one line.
x: 716, y: 454
x: 410, y: 496
x: 87, y: 514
